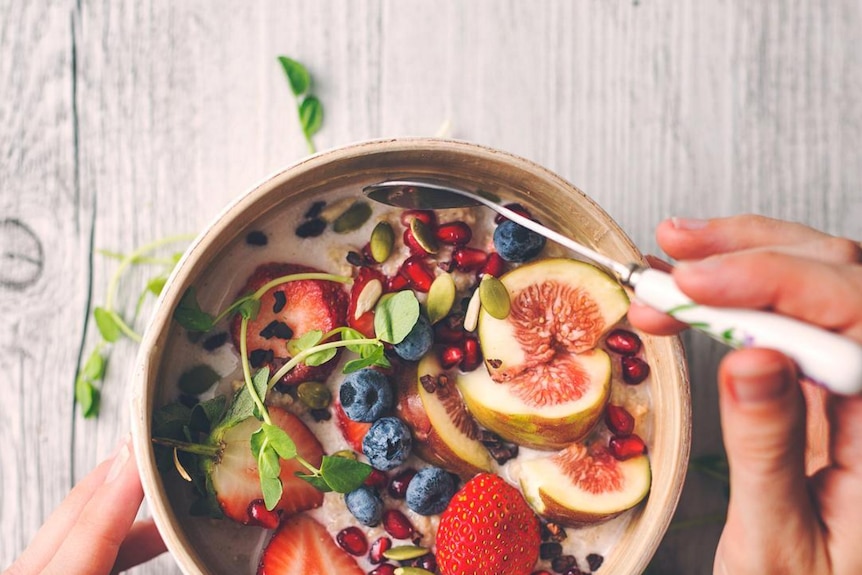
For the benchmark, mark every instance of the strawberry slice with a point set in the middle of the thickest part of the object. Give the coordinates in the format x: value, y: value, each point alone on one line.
x: 364, y: 324
x: 353, y: 431
x: 303, y: 546
x: 288, y: 311
x: 234, y: 475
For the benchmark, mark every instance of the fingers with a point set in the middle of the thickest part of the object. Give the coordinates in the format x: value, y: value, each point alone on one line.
x: 685, y: 239
x: 141, y: 544
x: 763, y: 423
x: 816, y: 292
x: 91, y: 545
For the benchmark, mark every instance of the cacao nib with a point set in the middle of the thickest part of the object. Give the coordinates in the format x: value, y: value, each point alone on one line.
x: 277, y: 329
x: 311, y: 228
x: 355, y: 259
x: 550, y: 550
x: 595, y: 561
x: 215, y: 341
x: 280, y: 301
x: 321, y: 414
x: 563, y: 562
x: 259, y: 357
x: 256, y: 238
x: 315, y: 209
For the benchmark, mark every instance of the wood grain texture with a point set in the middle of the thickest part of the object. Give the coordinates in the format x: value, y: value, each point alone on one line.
x: 122, y: 122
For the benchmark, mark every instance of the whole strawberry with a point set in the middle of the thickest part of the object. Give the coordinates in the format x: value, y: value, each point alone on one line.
x: 487, y: 528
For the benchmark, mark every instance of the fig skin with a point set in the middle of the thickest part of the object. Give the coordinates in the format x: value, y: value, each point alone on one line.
x: 429, y: 443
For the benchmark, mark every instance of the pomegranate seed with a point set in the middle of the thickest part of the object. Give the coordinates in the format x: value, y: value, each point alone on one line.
x: 472, y: 354
x: 414, y: 270
x: 619, y: 421
x: 445, y: 333
x: 399, y: 483
x: 376, y: 479
x: 396, y: 283
x: 469, y: 259
x: 352, y: 540
x: 454, y: 233
x: 635, y: 370
x: 427, y: 562
x: 451, y: 356
x: 397, y: 524
x: 517, y: 208
x: 623, y: 342
x: 385, y: 569
x: 494, y: 266
x: 378, y: 548
x: 626, y: 447
x: 428, y: 217
x: 414, y: 246
x: 259, y: 515
x: 366, y: 254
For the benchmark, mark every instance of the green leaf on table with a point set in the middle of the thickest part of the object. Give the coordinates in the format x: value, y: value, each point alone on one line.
x: 106, y: 321
x: 280, y: 441
x: 297, y: 75
x: 189, y: 314
x: 272, y: 490
x: 94, y: 368
x: 87, y: 397
x: 310, y: 115
x: 343, y: 474
x: 198, y: 379
x: 395, y: 316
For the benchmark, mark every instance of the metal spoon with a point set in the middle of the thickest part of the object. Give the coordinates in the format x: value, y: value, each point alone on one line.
x: 826, y: 358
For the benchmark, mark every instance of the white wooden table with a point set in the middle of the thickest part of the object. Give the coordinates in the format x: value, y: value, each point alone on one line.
x: 122, y: 122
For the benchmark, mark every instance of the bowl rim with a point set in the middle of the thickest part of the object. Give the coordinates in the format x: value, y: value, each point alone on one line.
x: 147, y: 364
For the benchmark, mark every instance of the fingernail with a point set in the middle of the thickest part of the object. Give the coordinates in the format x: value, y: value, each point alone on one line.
x: 120, y: 460
x: 689, y: 223
x: 759, y: 382
x: 706, y: 265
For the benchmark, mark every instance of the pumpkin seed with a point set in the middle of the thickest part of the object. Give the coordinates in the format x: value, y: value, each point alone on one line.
x: 424, y: 236
x: 346, y: 454
x: 314, y: 394
x: 441, y: 297
x: 368, y: 297
x: 471, y: 315
x: 353, y: 218
x: 405, y: 552
x: 335, y: 209
x: 382, y: 239
x: 494, y: 297
x: 412, y: 571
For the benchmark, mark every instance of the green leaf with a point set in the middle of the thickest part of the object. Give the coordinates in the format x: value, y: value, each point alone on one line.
x: 249, y: 308
x: 169, y: 420
x: 259, y: 381
x: 317, y: 481
x: 297, y: 75
x: 243, y: 405
x: 272, y: 490
x: 374, y: 356
x: 310, y: 115
x: 308, y: 340
x: 320, y: 357
x: 107, y: 323
x: 198, y: 379
x: 206, y: 413
x: 395, y: 316
x: 256, y: 441
x: 280, y: 441
x: 156, y: 285
x: 189, y: 314
x: 267, y: 462
x: 343, y: 475
x: 87, y: 397
x: 94, y: 368
x: 350, y: 334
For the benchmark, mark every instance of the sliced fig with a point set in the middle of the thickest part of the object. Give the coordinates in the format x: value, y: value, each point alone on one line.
x: 549, y: 406
x: 584, y: 484
x: 558, y: 305
x: 444, y: 432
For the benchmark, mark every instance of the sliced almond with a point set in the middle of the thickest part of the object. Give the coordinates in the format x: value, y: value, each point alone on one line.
x: 471, y: 316
x: 441, y: 297
x: 494, y: 297
x: 368, y: 297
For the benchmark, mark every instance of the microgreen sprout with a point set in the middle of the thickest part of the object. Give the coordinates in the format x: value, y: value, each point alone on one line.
x: 395, y: 316
x: 308, y: 106
x: 111, y: 324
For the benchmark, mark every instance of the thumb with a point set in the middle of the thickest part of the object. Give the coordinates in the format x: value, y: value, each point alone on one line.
x: 763, y: 423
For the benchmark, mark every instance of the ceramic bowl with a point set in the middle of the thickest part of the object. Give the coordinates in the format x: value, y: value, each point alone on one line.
x: 552, y: 200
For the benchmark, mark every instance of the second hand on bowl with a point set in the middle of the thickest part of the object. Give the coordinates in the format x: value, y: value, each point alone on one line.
x: 826, y: 358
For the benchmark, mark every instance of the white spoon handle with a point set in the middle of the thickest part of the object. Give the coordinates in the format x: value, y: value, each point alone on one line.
x: 827, y: 358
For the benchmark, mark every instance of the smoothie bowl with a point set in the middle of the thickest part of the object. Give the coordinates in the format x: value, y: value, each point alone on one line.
x: 332, y: 385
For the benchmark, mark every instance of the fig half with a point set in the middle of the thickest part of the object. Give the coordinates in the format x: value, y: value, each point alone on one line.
x: 584, y: 484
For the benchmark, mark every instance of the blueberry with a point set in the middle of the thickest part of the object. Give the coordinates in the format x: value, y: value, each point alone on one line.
x: 365, y: 504
x: 418, y: 341
x: 365, y: 395
x: 430, y: 490
x: 515, y: 243
x: 387, y: 443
